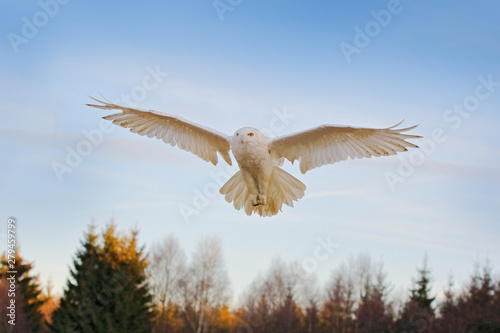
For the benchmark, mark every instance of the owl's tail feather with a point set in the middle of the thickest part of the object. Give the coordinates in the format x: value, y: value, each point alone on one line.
x: 283, y: 189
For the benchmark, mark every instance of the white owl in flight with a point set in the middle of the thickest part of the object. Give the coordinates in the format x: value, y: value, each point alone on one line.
x: 261, y: 186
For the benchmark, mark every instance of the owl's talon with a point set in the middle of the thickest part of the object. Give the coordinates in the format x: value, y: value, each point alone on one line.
x: 254, y: 200
x: 258, y: 200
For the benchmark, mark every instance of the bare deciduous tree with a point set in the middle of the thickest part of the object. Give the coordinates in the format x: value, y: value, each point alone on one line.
x: 166, y: 269
x: 275, y: 285
x: 206, y: 284
x: 357, y: 281
x: 274, y: 299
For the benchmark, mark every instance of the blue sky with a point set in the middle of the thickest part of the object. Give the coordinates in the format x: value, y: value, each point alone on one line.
x: 278, y: 65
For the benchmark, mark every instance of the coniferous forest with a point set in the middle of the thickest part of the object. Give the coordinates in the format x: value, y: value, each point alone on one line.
x: 115, y: 286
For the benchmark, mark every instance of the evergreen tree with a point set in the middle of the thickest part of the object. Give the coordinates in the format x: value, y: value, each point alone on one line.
x: 311, y: 318
x: 418, y: 313
x: 50, y: 304
x: 449, y: 319
x: 107, y: 291
x: 262, y: 318
x: 477, y: 305
x: 28, y: 297
x: 475, y: 310
x: 336, y: 312
x: 372, y: 315
x: 287, y: 318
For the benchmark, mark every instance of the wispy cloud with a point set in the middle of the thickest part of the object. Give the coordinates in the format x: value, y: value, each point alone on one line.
x: 27, y: 137
x: 324, y: 194
x: 464, y: 171
x: 144, y: 150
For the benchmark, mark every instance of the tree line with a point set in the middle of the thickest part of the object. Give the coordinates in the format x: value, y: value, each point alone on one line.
x: 115, y: 286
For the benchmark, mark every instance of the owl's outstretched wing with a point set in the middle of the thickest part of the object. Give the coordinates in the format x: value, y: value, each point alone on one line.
x: 329, y: 144
x: 201, y: 141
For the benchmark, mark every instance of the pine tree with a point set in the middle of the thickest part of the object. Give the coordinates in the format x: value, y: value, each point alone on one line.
x: 336, y: 312
x: 28, y: 297
x: 477, y: 305
x: 372, y: 316
x: 51, y: 303
x: 287, y: 318
x: 418, y: 313
x: 107, y: 290
x: 449, y: 319
x: 311, y: 317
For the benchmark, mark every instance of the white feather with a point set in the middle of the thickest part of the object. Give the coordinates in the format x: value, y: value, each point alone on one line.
x: 201, y: 141
x: 329, y: 144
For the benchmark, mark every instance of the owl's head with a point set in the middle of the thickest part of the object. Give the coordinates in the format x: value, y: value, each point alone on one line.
x: 248, y: 135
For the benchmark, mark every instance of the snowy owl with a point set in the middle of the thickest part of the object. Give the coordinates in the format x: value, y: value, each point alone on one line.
x: 261, y: 186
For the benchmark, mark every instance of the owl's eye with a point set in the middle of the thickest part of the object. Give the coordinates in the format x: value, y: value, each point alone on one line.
x: 237, y: 134
x: 250, y: 134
